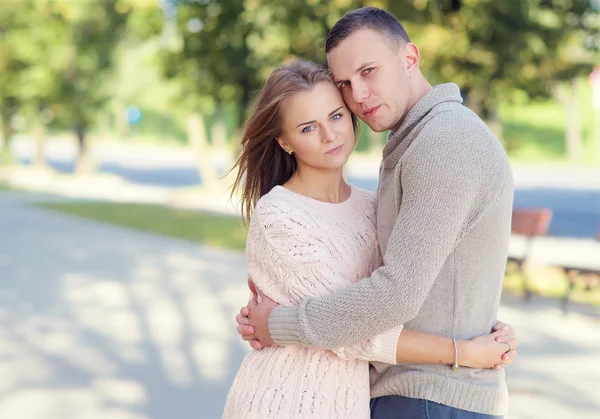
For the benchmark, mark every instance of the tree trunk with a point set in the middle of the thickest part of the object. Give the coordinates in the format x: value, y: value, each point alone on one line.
x: 6, y: 157
x: 197, y: 138
x: 573, y: 138
x: 218, y: 130
x: 39, y: 135
x: 121, y: 125
x: 84, y: 164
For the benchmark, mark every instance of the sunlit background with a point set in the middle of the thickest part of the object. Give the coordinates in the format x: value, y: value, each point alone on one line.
x: 121, y: 254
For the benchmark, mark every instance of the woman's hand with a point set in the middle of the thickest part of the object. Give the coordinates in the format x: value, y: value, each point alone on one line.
x: 489, y: 351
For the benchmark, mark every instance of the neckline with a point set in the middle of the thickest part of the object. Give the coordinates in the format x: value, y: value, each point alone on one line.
x: 316, y: 201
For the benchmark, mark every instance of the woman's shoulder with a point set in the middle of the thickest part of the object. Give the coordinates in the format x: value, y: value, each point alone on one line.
x: 279, y: 208
x: 367, y: 196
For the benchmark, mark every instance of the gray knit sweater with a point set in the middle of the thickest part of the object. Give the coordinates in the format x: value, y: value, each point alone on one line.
x: 444, y: 209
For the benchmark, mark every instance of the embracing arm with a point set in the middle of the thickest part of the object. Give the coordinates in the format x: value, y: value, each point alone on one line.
x: 445, y: 191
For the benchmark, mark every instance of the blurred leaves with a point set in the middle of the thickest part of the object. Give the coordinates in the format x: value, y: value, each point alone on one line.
x: 61, y: 54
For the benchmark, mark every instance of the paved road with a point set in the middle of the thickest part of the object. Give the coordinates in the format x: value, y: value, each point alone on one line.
x: 101, y: 322
x: 576, y: 210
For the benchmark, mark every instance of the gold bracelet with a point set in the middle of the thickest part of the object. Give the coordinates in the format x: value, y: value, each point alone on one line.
x: 455, y: 366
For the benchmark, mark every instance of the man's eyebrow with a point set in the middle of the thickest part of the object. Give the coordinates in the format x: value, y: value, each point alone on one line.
x: 362, y: 67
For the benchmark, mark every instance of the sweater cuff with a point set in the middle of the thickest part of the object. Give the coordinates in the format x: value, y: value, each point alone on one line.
x: 385, y: 345
x: 284, y: 326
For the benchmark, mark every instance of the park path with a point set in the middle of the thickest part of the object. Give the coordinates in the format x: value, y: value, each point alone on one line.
x: 98, y: 321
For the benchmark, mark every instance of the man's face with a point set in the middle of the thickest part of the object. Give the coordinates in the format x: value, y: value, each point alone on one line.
x: 373, y: 78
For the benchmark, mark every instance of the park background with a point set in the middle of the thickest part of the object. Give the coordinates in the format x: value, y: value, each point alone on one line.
x: 121, y: 252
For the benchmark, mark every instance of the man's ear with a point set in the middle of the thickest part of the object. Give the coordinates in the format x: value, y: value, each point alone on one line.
x: 411, y: 55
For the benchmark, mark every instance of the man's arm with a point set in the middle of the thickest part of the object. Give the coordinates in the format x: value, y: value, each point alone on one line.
x: 448, y: 185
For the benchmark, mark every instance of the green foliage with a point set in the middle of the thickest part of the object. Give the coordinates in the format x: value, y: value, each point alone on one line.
x: 490, y: 48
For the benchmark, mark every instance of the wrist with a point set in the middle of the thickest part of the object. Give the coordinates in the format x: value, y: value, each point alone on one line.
x: 464, y: 353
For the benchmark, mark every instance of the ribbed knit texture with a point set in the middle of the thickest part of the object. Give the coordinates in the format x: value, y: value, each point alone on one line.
x: 298, y: 247
x: 444, y: 209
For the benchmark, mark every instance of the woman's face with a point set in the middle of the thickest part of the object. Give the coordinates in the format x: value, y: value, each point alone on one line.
x: 317, y: 127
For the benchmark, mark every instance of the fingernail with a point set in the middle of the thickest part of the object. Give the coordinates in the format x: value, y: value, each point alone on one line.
x: 498, y: 339
x: 505, y: 328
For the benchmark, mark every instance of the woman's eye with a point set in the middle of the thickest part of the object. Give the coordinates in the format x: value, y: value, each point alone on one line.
x: 307, y: 129
x: 336, y: 116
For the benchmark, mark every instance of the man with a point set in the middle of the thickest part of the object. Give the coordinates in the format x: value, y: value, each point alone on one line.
x: 444, y: 210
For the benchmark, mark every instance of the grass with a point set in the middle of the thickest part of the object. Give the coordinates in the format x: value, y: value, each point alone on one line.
x: 5, y: 188
x: 209, y: 229
x: 535, y: 131
x: 550, y: 282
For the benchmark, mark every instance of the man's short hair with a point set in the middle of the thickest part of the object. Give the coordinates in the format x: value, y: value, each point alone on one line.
x: 367, y: 18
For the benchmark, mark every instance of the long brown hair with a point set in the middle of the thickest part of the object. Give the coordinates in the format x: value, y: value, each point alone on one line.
x: 262, y: 163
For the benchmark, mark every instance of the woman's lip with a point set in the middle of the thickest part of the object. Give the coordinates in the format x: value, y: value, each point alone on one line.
x: 335, y: 150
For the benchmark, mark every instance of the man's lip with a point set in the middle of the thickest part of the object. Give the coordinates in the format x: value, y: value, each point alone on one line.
x: 371, y: 110
x: 334, y: 149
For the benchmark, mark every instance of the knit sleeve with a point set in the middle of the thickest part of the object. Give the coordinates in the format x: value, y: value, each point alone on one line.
x: 381, y: 348
x: 449, y: 182
x: 287, y: 260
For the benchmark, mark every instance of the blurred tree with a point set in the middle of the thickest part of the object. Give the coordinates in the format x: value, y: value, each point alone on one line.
x: 19, y: 55
x: 40, y: 44
x: 221, y: 52
x: 9, y: 68
x: 494, y: 48
x: 95, y: 29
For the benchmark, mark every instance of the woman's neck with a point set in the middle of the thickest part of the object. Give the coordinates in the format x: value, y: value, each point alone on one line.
x: 322, y: 185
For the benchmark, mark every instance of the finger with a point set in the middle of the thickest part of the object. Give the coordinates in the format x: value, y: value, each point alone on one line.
x: 248, y: 338
x: 245, y: 330
x: 498, y: 366
x: 514, y: 343
x: 256, y: 344
x: 499, y: 325
x: 242, y: 319
x: 244, y: 311
x: 499, y: 335
x: 509, y: 356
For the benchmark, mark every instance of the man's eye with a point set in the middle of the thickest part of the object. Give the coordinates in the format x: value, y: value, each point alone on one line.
x: 343, y: 84
x: 368, y: 70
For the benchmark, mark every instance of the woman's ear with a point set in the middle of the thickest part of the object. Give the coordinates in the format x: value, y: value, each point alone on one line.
x: 283, y: 144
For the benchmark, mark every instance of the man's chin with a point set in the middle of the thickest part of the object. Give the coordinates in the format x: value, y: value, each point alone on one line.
x: 376, y: 127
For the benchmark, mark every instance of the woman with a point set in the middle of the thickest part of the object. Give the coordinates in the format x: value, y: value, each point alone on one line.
x: 310, y: 233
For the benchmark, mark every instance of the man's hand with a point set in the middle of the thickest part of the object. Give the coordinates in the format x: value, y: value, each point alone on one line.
x: 253, y: 320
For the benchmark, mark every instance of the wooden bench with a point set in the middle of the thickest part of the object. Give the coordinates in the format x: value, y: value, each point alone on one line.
x: 529, y: 223
x: 589, y: 277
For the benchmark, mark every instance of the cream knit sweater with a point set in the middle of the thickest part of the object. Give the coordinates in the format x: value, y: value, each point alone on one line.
x: 298, y: 248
